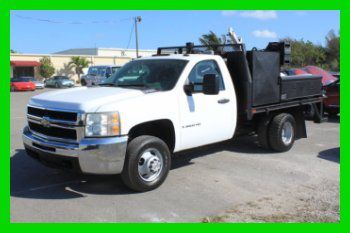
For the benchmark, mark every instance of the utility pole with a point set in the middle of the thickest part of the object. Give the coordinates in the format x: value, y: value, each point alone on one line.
x: 137, y: 20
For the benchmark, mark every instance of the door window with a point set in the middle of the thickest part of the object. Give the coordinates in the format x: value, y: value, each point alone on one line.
x: 202, y: 68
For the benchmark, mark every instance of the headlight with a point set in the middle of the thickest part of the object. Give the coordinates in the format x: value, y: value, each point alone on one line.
x: 102, y: 124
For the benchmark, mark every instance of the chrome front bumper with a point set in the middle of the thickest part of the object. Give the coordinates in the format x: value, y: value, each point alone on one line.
x: 94, y: 155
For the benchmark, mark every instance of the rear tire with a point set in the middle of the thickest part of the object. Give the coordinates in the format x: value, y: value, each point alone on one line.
x: 262, y: 132
x: 147, y: 163
x: 310, y: 112
x: 282, y: 132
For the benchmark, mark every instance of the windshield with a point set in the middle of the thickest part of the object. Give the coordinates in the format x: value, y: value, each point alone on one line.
x: 97, y: 70
x: 160, y: 74
x: 115, y: 69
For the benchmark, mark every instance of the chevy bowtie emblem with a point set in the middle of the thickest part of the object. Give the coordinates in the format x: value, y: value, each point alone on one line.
x: 44, y: 122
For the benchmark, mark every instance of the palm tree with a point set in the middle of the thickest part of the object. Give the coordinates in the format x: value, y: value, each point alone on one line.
x: 211, y: 40
x: 78, y: 63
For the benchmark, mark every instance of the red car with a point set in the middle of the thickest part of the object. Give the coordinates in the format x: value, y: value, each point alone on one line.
x: 296, y: 72
x: 331, y: 86
x: 327, y: 78
x: 21, y: 84
x: 332, y: 102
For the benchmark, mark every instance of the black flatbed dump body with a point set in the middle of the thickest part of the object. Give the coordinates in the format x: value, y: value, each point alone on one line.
x: 256, y: 77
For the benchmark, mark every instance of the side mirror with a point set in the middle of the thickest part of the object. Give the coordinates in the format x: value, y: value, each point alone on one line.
x: 210, y: 84
x: 189, y: 88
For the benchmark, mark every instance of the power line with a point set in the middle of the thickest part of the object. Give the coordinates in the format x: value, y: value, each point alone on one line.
x: 130, y: 35
x: 46, y: 20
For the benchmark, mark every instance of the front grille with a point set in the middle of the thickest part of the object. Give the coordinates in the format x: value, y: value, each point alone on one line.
x: 53, y: 131
x: 67, y: 116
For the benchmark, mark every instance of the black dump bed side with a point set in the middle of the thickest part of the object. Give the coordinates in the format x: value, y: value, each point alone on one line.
x: 259, y: 86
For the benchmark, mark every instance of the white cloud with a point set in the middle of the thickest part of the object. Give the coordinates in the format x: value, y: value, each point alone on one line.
x: 262, y: 15
x: 228, y: 13
x: 264, y: 34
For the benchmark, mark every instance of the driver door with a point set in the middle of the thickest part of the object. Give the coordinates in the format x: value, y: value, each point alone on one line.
x: 204, y: 118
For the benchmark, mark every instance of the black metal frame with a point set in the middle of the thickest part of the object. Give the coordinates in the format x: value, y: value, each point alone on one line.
x: 190, y: 48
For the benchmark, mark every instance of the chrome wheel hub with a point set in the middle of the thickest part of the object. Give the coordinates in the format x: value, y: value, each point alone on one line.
x: 150, y: 164
x: 287, y: 133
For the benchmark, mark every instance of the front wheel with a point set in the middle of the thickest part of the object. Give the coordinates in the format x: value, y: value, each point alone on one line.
x: 83, y: 82
x: 147, y: 163
x: 282, y: 132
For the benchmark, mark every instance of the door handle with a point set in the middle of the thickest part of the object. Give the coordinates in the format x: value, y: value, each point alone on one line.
x: 223, y: 101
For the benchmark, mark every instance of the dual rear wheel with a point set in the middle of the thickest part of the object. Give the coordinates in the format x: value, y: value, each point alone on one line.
x: 277, y: 132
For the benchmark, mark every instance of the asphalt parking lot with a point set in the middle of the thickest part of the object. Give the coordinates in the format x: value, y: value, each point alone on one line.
x: 230, y: 181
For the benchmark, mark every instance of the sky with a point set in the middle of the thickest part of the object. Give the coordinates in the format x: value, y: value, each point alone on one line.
x: 47, y: 32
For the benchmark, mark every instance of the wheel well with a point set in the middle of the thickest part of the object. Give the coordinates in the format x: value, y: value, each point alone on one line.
x: 163, y: 129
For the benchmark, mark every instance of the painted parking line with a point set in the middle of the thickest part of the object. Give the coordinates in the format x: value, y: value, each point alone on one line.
x: 45, y: 187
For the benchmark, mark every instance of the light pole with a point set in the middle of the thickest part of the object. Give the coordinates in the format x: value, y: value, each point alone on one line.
x: 137, y: 20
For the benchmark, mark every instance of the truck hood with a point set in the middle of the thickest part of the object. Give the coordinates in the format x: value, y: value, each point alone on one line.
x: 83, y: 99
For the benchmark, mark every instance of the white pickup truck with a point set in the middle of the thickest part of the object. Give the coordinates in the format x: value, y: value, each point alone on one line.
x: 178, y: 99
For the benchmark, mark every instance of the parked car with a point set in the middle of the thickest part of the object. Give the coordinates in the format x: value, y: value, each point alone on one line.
x: 21, y: 84
x: 59, y: 82
x: 332, y: 101
x: 296, y: 72
x: 327, y: 78
x: 331, y: 87
x: 38, y: 84
x: 98, y: 74
x: 155, y: 106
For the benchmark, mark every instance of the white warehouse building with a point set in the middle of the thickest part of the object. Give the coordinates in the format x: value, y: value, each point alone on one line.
x: 107, y: 52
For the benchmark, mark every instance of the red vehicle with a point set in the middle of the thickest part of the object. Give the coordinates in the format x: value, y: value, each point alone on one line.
x: 331, y: 86
x: 296, y: 72
x: 327, y: 78
x: 21, y: 84
x: 332, y: 101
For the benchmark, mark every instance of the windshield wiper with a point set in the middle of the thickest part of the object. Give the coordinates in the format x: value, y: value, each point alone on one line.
x: 108, y: 84
x: 126, y: 85
x: 132, y: 85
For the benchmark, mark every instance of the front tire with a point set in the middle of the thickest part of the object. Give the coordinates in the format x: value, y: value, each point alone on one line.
x: 147, y: 163
x: 282, y: 132
x: 83, y: 82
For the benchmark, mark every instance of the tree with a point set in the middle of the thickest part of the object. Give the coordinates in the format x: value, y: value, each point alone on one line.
x: 211, y: 40
x: 333, y: 50
x: 46, y: 67
x: 13, y: 51
x: 306, y: 53
x: 78, y: 63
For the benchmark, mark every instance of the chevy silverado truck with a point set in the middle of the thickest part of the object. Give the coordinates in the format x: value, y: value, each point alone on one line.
x: 182, y: 97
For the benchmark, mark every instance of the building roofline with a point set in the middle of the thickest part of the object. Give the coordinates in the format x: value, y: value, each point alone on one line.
x: 64, y: 55
x: 107, y: 48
